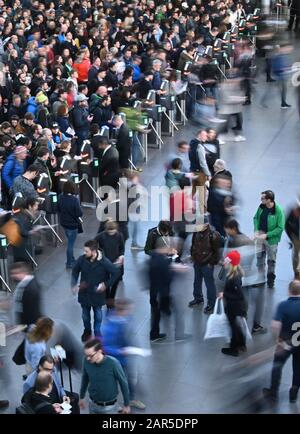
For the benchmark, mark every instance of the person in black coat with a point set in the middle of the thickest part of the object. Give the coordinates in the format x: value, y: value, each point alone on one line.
x: 108, y: 164
x: 123, y: 144
x: 111, y: 243
x: 294, y: 6
x: 97, y: 275
x: 164, y: 230
x: 39, y: 400
x: 292, y: 229
x: 27, y: 295
x: 235, y: 304
x: 220, y: 203
x: 160, y: 275
x: 69, y: 211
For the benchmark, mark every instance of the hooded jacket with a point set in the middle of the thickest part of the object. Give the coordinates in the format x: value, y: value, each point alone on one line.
x: 276, y: 222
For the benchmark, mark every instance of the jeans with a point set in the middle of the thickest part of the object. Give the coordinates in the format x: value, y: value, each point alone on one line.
x: 280, y: 357
x: 86, y: 318
x: 71, y: 235
x: 99, y: 409
x: 135, y: 230
x: 205, y: 272
x: 296, y: 252
x: 270, y: 253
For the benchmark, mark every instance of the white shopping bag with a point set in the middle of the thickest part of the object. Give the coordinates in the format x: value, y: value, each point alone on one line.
x: 217, y: 324
x: 241, y: 321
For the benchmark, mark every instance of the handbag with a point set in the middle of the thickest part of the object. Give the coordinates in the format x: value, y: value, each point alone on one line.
x: 80, y: 227
x: 19, y: 356
x: 217, y: 324
x: 242, y: 323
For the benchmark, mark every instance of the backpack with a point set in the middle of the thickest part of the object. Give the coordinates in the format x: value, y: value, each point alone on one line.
x: 211, y: 154
x: 27, y: 409
x: 204, y: 248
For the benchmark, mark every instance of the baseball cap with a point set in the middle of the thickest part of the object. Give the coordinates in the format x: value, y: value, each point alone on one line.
x: 80, y: 97
x: 54, y: 125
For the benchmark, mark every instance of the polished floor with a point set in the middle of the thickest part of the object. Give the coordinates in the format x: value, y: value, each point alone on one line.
x: 193, y: 376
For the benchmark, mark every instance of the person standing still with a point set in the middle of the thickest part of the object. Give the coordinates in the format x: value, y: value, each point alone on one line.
x: 101, y: 375
x: 269, y: 223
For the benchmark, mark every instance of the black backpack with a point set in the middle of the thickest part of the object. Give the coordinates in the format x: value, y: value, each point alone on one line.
x: 25, y: 408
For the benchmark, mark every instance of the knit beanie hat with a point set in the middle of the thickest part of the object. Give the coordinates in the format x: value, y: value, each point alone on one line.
x: 20, y: 150
x: 233, y: 257
x: 40, y: 98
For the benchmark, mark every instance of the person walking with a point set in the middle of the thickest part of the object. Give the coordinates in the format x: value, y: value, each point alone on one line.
x: 235, y: 303
x: 269, y: 221
x: 292, y: 228
x: 69, y: 211
x: 101, y: 375
x: 35, y: 342
x: 205, y: 255
x: 288, y: 343
x: 97, y: 275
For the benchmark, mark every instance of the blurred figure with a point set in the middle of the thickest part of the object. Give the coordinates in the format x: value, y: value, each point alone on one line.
x: 294, y: 6
x: 230, y: 105
x: 219, y: 169
x: 160, y: 275
x: 220, y: 202
x: 288, y: 343
x: 4, y: 364
x: 269, y: 223
x: 111, y: 243
x: 281, y: 69
x: 205, y: 255
x: 116, y: 337
x: 163, y: 231
x: 252, y: 282
x: 27, y: 294
x: 235, y: 303
x: 292, y: 228
x: 35, y: 342
x: 136, y: 201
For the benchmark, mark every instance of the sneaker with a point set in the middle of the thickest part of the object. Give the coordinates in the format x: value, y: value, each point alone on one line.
x: 221, y: 142
x: 270, y: 285
x: 195, y: 302
x: 270, y: 394
x: 86, y: 336
x: 224, y: 138
x: 208, y: 310
x: 136, y: 247
x: 217, y: 120
x: 135, y: 403
x: 159, y: 338
x: 4, y: 403
x: 285, y: 106
x: 230, y: 352
x: 293, y: 392
x: 239, y: 138
x: 184, y: 337
x: 258, y: 329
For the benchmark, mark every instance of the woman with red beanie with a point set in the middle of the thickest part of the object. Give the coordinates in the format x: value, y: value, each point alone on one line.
x: 234, y: 303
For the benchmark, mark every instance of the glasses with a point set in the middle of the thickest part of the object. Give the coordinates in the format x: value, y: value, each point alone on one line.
x: 91, y: 356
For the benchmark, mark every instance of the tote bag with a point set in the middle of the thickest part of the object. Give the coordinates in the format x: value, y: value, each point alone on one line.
x: 217, y: 324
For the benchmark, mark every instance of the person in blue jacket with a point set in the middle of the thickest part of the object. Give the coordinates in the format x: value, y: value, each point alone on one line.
x: 13, y: 167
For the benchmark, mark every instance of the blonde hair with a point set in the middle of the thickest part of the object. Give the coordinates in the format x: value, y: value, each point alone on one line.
x: 234, y: 271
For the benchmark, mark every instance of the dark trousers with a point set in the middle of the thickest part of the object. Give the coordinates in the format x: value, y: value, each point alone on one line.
x: 283, y: 90
x: 280, y: 357
x: 205, y: 272
x: 158, y: 304
x: 111, y: 292
x: 237, y: 337
x: 238, y: 119
x: 247, y: 88
x: 294, y: 16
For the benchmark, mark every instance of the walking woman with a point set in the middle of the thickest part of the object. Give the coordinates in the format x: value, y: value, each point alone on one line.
x: 235, y: 304
x: 70, y: 212
x: 35, y: 342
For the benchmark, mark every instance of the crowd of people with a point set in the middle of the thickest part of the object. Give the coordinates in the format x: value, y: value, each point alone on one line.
x: 69, y: 71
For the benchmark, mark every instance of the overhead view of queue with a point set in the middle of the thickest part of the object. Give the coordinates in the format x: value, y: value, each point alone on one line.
x: 149, y: 207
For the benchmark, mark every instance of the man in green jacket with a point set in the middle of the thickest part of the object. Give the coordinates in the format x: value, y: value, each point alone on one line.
x: 269, y: 223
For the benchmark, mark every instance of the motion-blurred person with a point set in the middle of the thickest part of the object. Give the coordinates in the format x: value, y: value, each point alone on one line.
x: 160, y: 274
x: 294, y: 6
x: 252, y: 281
x: 35, y: 342
x: 111, y: 243
x: 182, y: 152
x: 102, y: 375
x: 40, y: 401
x: 69, y: 212
x: 269, y: 222
x: 27, y: 294
x: 205, y: 255
x: 116, y: 337
x: 97, y: 275
x: 137, y: 197
x: 235, y: 303
x: 24, y: 250
x: 230, y: 105
x: 174, y: 175
x: 281, y: 69
x: 292, y: 228
x: 219, y: 169
x: 164, y: 231
x: 220, y: 203
x: 288, y: 344
x: 5, y: 379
